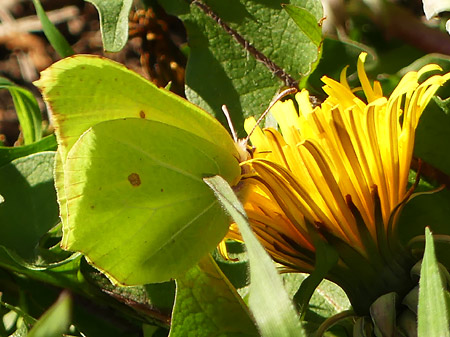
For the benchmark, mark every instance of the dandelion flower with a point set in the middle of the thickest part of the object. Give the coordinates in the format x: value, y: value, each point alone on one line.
x: 341, y: 170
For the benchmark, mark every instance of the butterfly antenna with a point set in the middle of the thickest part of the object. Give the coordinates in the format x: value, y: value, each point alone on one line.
x: 282, y: 94
x: 230, y: 123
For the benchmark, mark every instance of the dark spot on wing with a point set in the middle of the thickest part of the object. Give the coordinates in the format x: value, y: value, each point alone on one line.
x: 142, y: 114
x: 162, y: 189
x: 134, y: 179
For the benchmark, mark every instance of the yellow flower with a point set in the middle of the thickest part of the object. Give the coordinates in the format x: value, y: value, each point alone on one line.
x: 340, y: 169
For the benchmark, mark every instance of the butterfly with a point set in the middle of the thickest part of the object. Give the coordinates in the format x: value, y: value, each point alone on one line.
x: 129, y: 170
x: 130, y: 162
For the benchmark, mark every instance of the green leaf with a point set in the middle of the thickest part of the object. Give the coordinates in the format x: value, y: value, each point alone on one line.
x: 207, y: 304
x: 329, y: 299
x: 54, y: 36
x: 64, y: 274
x: 243, y: 84
x: 326, y: 258
x: 270, y: 304
x: 27, y: 319
x: 147, y: 218
x: 307, y: 22
x: 7, y: 154
x: 426, y: 209
x: 433, y: 313
x: 441, y: 60
x: 433, y: 135
x: 176, y: 7
x: 21, y: 331
x: 161, y: 295
x: 328, y: 305
x: 113, y: 22
x: 235, y: 271
x: 30, y: 207
x: 55, y: 321
x: 336, y: 55
x: 151, y: 331
x: 27, y: 110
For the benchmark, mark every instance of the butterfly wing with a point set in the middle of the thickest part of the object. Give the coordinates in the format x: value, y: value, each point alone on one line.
x: 137, y: 205
x: 84, y: 90
x: 132, y: 216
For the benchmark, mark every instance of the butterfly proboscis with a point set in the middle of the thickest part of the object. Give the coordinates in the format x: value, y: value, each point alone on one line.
x: 241, y: 144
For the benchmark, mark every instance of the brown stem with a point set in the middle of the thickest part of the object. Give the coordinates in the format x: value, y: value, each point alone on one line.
x: 272, y: 66
x: 431, y: 173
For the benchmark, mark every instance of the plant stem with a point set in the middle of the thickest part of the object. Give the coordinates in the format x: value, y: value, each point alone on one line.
x: 272, y: 66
